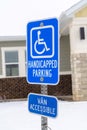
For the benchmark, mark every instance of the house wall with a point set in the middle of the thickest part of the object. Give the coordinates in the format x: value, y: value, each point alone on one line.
x: 78, y: 59
x: 65, y: 54
x: 9, y: 44
x: 17, y: 87
x: 78, y: 45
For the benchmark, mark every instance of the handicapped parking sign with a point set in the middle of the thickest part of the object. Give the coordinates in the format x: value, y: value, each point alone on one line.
x: 43, y: 52
x: 40, y: 39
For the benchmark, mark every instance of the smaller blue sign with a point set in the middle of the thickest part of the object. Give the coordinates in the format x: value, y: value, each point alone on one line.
x: 43, y: 104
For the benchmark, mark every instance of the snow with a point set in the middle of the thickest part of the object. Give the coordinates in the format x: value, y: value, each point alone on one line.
x: 15, y: 116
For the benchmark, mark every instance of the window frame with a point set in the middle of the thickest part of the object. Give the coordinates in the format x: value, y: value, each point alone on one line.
x: 21, y: 60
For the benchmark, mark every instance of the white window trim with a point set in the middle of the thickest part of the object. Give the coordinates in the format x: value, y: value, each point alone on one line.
x: 65, y: 72
x: 21, y: 58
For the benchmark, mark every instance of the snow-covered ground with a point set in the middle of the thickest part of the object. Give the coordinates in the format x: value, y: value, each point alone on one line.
x: 15, y: 116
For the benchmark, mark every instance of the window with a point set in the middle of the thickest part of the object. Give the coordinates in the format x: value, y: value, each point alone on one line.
x: 13, y: 61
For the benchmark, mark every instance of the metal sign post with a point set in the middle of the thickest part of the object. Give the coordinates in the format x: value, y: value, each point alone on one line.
x: 44, y: 105
x: 43, y: 65
x: 43, y: 119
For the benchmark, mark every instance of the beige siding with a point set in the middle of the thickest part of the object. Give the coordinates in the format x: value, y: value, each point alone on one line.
x: 64, y: 54
x: 9, y: 44
x: 82, y: 13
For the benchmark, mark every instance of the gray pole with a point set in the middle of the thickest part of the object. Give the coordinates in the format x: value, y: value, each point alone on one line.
x: 43, y: 119
x: 44, y: 92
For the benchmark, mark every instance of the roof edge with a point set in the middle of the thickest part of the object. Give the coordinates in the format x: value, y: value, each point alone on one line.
x: 76, y: 7
x: 12, y: 38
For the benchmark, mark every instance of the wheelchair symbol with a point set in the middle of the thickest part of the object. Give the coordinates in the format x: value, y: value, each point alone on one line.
x: 39, y: 42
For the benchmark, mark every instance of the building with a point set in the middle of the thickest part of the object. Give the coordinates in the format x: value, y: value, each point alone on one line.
x: 13, y: 84
x: 73, y: 31
x: 73, y: 59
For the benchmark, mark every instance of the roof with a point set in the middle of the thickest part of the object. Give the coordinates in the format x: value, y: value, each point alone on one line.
x: 81, y: 4
x: 12, y: 38
x: 67, y: 16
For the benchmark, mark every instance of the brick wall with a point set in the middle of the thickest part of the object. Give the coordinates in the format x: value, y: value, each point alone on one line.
x: 14, y: 88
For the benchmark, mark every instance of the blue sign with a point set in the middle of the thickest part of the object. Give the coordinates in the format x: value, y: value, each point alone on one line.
x: 42, y: 105
x: 42, y: 52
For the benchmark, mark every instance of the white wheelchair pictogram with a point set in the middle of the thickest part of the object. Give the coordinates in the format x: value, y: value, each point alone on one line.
x: 39, y: 42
